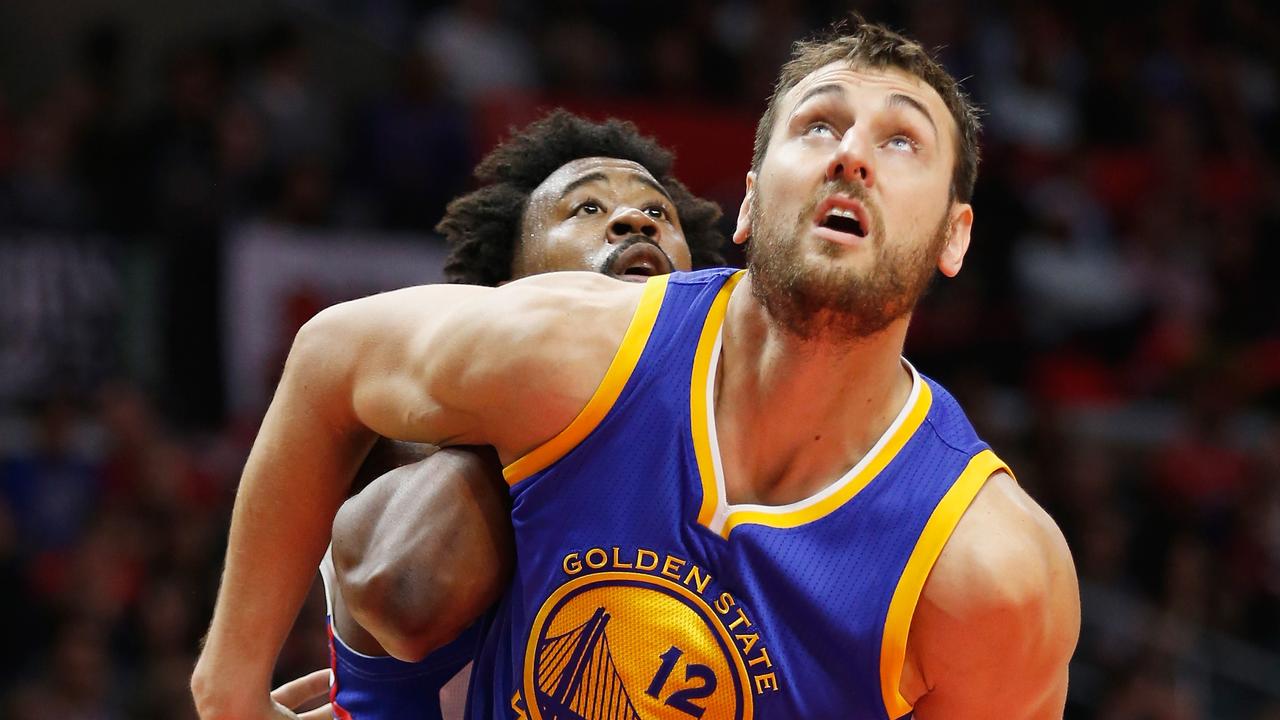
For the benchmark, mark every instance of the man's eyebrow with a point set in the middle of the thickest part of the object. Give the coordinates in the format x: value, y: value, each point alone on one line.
x: 656, y: 186
x: 901, y: 100
x: 823, y: 89
x: 583, y: 180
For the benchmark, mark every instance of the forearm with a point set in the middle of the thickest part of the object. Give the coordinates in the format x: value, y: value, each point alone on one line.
x: 297, y: 474
x: 424, y: 550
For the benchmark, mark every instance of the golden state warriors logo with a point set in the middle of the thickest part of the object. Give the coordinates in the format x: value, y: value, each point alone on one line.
x: 636, y: 635
x: 617, y: 645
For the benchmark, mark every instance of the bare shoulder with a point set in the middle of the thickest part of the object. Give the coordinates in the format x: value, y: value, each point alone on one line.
x: 999, y: 616
x: 1005, y: 552
x: 563, y: 305
x: 529, y: 356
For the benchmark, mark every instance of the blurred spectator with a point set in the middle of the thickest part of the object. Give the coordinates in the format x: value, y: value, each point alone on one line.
x: 581, y: 55
x: 75, y: 679
x: 1067, y: 267
x: 477, y: 50
x: 44, y: 190
x: 51, y: 490
x: 242, y: 160
x: 1144, y: 693
x: 418, y: 126
x: 180, y: 156
x: 1030, y: 82
x: 299, y: 120
x: 1201, y: 474
x: 761, y: 41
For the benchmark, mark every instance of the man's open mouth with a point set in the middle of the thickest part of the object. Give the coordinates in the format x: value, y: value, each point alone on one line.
x: 844, y: 221
x: 639, y: 261
x: 844, y: 215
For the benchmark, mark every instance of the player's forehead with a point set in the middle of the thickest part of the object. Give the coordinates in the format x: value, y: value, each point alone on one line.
x: 581, y: 172
x: 853, y: 80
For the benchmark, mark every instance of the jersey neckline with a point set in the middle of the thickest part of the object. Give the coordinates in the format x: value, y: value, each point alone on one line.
x: 716, y: 513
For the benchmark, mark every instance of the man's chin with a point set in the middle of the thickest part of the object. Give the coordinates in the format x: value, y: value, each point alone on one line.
x: 814, y: 298
x: 824, y: 265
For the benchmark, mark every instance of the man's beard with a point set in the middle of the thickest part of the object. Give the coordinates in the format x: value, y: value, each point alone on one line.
x: 811, y: 300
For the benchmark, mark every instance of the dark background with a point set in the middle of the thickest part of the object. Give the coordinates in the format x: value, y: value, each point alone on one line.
x: 1115, y: 333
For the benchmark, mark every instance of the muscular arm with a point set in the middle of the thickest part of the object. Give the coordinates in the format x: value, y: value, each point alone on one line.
x: 999, y: 616
x: 423, y: 551
x: 433, y: 364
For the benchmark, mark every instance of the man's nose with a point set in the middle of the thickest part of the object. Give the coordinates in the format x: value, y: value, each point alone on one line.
x: 854, y: 160
x: 631, y: 221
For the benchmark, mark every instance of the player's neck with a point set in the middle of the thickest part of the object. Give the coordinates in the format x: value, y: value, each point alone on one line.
x: 835, y: 367
x: 799, y: 412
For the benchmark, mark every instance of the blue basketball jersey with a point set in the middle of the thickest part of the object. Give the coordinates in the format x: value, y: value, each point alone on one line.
x: 366, y: 687
x: 640, y: 592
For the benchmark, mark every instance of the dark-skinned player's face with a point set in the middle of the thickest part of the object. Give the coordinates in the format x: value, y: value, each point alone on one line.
x: 602, y: 214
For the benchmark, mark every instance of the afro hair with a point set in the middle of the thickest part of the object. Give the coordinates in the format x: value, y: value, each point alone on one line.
x: 483, y: 226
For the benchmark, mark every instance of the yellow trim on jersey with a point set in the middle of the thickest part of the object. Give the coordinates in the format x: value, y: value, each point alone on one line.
x: 897, y: 623
x: 698, y: 398
x: 848, y: 488
x: 606, y: 394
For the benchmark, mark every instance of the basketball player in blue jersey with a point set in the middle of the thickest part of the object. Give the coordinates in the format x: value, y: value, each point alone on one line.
x: 731, y: 495
x: 637, y: 228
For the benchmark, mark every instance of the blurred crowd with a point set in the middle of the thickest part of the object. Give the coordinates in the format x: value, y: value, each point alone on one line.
x: 1115, y: 333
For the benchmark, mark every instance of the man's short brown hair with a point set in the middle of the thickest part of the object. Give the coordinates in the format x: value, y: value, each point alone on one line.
x: 877, y: 47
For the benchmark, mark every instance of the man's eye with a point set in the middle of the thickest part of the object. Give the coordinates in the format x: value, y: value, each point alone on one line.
x: 655, y: 212
x: 902, y: 142
x: 588, y: 208
x: 819, y: 128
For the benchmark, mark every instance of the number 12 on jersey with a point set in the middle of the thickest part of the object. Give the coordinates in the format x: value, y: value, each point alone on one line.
x: 680, y: 699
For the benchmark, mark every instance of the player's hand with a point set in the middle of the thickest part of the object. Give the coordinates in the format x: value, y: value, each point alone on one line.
x: 304, y: 691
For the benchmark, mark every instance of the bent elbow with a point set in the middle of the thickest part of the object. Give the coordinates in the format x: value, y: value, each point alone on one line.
x: 386, y: 599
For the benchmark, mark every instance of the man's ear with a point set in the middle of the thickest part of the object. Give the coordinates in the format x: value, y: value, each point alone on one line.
x: 958, y: 233
x: 743, y: 232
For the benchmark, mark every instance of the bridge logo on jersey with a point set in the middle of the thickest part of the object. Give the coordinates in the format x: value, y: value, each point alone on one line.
x: 632, y: 646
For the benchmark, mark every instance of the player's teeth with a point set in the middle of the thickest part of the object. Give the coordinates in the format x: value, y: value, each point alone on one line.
x: 841, y: 212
